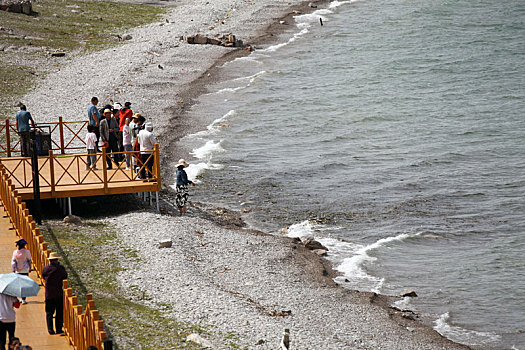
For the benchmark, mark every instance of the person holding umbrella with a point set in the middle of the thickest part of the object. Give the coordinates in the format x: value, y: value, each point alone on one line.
x: 8, y: 304
x: 54, y: 274
x: 21, y: 262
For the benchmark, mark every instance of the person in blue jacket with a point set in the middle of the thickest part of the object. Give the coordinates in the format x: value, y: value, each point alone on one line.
x: 182, y: 186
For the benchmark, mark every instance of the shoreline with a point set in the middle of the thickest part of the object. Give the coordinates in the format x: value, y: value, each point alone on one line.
x: 320, y: 272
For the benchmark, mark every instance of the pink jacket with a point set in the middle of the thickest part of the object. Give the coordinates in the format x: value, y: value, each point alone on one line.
x: 21, y: 261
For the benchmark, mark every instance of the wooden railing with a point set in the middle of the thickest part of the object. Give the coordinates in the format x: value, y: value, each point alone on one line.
x: 82, y: 329
x: 59, y: 172
x: 66, y: 136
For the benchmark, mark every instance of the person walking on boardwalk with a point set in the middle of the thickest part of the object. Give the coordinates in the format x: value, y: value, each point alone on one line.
x: 54, y: 274
x: 146, y: 141
x: 21, y: 262
x: 94, y: 117
x: 182, y: 186
x: 22, y: 126
x: 7, y: 317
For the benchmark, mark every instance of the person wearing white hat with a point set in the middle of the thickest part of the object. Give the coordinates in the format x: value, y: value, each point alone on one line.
x: 146, y: 141
x: 54, y: 274
x: 182, y: 186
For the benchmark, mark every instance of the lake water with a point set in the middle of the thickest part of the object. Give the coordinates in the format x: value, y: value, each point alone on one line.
x: 395, y: 134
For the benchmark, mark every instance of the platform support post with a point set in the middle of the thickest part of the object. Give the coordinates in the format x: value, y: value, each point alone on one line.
x: 70, y: 210
x: 157, y: 200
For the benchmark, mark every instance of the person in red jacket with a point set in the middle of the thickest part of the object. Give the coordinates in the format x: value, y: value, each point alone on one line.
x: 125, y: 112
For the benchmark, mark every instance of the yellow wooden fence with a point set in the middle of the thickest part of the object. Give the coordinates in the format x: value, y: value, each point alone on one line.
x: 82, y: 328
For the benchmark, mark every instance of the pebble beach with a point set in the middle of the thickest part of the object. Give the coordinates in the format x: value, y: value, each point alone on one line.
x: 217, y: 273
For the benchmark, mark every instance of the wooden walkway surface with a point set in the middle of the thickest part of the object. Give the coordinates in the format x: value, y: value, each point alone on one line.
x: 30, y: 318
x: 66, y: 176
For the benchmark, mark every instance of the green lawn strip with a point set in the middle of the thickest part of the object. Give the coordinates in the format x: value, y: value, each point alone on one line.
x: 92, y: 257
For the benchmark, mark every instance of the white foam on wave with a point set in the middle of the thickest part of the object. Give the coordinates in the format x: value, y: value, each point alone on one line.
x: 339, y: 251
x: 354, y: 266
x: 206, y: 152
x: 214, y: 127
x: 251, y: 78
x: 444, y: 327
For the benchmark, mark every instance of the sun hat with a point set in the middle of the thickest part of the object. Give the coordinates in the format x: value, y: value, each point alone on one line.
x: 117, y: 106
x: 127, y: 104
x: 137, y: 115
x: 54, y: 256
x: 21, y: 241
x: 149, y: 126
x: 107, y: 110
x: 183, y: 163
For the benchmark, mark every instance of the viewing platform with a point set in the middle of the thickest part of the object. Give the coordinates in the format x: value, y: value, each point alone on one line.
x: 63, y: 171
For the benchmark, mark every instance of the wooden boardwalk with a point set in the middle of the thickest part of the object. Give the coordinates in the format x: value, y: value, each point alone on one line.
x: 30, y: 318
x: 63, y: 176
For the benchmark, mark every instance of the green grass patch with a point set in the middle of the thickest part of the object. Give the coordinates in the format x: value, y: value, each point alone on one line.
x: 71, y: 26
x: 93, y: 258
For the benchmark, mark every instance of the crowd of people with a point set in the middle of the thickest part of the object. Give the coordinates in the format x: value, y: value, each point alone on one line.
x: 117, y: 129
x: 54, y: 274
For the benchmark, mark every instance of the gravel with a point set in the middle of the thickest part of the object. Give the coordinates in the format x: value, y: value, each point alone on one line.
x: 255, y: 285
x: 239, y: 281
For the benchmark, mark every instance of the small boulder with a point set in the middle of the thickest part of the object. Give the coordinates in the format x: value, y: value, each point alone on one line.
x: 127, y: 37
x: 312, y: 244
x: 167, y: 243
x: 198, y: 39
x: 58, y: 54
x: 72, y: 219
x: 312, y: 5
x: 196, y: 338
x: 320, y: 252
x: 409, y: 293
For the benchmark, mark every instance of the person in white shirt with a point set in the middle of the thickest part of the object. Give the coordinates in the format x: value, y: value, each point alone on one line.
x: 126, y: 142
x: 91, y: 145
x: 146, y: 141
x: 7, y: 317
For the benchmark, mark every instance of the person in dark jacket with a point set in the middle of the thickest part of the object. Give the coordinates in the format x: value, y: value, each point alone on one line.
x: 182, y: 186
x: 54, y: 274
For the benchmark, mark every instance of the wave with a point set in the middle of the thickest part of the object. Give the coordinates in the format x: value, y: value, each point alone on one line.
x: 465, y: 336
x: 214, y: 127
x: 206, y: 151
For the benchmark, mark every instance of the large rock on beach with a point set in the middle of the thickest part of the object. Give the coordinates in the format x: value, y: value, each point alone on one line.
x: 312, y: 244
x: 17, y: 6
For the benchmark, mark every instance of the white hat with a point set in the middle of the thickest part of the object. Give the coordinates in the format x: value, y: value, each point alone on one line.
x: 149, y: 126
x: 183, y: 163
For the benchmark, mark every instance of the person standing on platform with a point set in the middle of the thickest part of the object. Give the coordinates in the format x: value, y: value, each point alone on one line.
x: 54, y: 274
x: 21, y: 262
x: 91, y: 147
x: 126, y: 142
x: 94, y: 117
x: 22, y: 126
x: 124, y: 112
x: 7, y: 317
x: 146, y: 141
x: 108, y: 134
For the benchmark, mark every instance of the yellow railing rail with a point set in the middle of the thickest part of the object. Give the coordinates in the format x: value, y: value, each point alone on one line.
x: 82, y: 329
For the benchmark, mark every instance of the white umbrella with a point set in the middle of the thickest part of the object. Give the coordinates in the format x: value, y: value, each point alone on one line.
x: 17, y: 285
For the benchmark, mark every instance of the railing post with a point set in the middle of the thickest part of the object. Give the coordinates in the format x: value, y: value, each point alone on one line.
x: 52, y: 172
x: 105, y: 170
x: 7, y: 138
x: 156, y: 158
x: 61, y: 129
